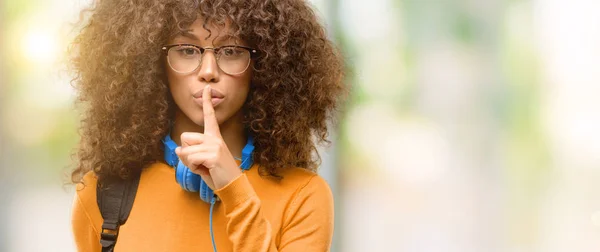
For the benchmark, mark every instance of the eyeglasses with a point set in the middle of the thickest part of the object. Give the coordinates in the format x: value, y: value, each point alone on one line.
x: 187, y: 58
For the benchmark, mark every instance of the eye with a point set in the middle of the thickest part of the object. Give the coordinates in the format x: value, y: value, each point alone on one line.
x: 231, y: 51
x: 187, y: 51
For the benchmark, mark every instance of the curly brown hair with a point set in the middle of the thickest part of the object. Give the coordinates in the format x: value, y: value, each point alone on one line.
x: 127, y: 106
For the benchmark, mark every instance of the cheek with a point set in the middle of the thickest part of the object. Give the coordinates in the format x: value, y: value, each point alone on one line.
x: 242, y: 88
x: 177, y: 86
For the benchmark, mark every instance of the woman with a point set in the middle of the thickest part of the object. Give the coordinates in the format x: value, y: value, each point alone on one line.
x: 237, y: 93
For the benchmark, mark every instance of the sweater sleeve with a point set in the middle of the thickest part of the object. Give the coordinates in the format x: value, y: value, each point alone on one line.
x: 85, y: 235
x: 307, y: 226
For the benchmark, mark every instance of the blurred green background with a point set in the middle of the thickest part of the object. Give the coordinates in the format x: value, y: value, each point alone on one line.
x: 472, y: 125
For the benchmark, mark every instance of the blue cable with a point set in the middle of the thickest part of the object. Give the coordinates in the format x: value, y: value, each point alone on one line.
x: 212, y: 235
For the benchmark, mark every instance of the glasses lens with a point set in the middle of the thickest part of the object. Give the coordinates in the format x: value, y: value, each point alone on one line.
x: 233, y: 60
x: 184, y: 58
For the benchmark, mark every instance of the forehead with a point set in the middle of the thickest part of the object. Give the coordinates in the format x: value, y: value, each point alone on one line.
x: 209, y: 33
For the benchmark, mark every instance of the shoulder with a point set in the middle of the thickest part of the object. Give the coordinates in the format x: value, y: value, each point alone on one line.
x: 296, y: 182
x: 86, y: 189
x: 85, y: 215
x: 308, y: 200
x: 304, y: 179
x: 85, y: 193
x: 310, y: 187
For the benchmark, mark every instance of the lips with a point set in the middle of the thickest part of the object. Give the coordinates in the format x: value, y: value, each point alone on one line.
x: 213, y: 94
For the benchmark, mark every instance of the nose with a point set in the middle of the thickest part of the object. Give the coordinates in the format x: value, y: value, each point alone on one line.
x: 209, y: 70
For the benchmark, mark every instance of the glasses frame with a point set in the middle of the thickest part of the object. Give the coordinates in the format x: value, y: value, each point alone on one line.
x: 253, y: 55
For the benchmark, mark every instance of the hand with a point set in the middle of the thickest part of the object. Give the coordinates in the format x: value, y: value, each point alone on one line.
x: 206, y: 154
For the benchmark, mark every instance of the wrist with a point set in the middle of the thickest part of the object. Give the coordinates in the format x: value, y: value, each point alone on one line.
x: 236, y: 192
x: 231, y: 175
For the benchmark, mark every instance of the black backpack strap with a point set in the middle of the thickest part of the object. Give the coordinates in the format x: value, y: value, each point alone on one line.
x: 115, y: 198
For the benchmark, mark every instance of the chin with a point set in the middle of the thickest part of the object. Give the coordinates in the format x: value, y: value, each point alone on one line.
x: 198, y: 120
x: 194, y: 115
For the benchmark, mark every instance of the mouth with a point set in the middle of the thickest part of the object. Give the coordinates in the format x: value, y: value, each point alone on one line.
x: 213, y: 94
x: 216, y: 97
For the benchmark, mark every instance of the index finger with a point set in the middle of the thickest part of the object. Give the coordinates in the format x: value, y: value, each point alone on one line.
x: 211, y: 126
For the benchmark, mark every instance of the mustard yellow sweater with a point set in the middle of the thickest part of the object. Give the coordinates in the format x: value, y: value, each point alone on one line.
x: 255, y: 214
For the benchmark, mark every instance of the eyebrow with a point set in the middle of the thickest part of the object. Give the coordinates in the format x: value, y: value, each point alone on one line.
x: 218, y: 40
x: 188, y: 34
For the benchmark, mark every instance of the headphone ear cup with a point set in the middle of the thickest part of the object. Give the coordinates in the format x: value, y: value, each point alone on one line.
x: 188, y: 180
x: 206, y: 194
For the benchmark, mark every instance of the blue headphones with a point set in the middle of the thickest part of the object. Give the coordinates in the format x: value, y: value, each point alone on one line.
x: 192, y: 182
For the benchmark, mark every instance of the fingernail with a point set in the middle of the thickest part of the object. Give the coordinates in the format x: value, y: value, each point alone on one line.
x: 207, y: 87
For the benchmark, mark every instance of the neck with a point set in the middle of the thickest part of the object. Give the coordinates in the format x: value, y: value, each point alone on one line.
x: 232, y: 131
